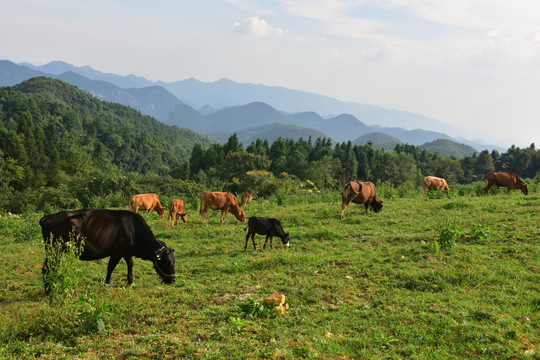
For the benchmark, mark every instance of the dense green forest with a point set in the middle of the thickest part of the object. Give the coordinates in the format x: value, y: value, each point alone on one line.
x: 60, y: 147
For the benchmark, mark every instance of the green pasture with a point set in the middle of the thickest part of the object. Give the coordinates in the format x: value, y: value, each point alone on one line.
x: 434, y: 277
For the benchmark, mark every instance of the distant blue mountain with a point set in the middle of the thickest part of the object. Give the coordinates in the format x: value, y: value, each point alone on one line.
x: 227, y: 106
x: 60, y: 67
x: 270, y: 132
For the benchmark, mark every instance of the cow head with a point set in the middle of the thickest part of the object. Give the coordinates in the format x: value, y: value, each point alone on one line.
x: 164, y: 263
x: 376, y: 205
x: 183, y: 216
x: 240, y: 215
x: 286, y: 239
x: 524, y: 188
x: 161, y: 211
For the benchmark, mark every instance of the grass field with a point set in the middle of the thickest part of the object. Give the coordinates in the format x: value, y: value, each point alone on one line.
x: 439, y: 277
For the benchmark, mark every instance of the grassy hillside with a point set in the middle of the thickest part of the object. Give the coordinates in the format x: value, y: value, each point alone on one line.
x: 389, y: 285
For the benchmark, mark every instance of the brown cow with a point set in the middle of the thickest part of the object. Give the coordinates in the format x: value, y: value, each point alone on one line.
x: 221, y: 201
x: 360, y: 193
x: 510, y: 180
x: 246, y: 198
x: 176, y: 210
x: 434, y: 183
x: 148, y: 202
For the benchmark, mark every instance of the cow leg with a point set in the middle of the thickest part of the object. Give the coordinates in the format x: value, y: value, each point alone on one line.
x: 366, y: 205
x: 253, y: 240
x: 247, y: 239
x: 486, y: 189
x: 343, y: 207
x: 272, y: 241
x: 203, y: 215
x: 129, y: 262
x: 113, y: 261
x: 265, y: 241
x: 224, y: 216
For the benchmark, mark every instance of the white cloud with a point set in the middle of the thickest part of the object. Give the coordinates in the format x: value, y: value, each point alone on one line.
x: 254, y: 26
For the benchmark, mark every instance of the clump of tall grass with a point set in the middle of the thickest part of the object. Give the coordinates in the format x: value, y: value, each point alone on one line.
x: 61, y: 274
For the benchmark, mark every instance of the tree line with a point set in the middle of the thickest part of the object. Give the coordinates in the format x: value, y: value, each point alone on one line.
x: 330, y: 165
x: 62, y: 148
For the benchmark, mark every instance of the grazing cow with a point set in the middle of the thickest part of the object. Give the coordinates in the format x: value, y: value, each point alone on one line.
x: 360, y: 193
x: 176, y: 210
x: 510, y: 180
x: 246, y: 199
x: 268, y: 227
x: 434, y: 183
x: 146, y: 202
x: 107, y: 233
x: 221, y: 201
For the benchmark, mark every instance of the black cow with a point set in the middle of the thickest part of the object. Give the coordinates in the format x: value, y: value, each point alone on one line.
x: 268, y: 227
x: 108, y: 233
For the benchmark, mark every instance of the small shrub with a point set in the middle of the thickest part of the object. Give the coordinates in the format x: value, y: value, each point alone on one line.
x: 435, y: 194
x: 448, y: 235
x: 252, y: 308
x: 93, y: 316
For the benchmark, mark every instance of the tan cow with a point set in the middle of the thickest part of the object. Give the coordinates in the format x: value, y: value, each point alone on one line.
x: 510, y: 180
x: 221, y: 201
x: 434, y: 183
x: 246, y: 199
x: 176, y: 210
x: 360, y: 193
x: 148, y: 202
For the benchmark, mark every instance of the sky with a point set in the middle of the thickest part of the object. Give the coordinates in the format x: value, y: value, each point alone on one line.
x: 474, y: 64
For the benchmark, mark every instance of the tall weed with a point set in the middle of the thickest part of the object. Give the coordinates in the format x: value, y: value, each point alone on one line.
x: 61, y: 274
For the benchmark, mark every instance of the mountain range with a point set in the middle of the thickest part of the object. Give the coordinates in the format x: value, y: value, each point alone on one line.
x: 225, y: 107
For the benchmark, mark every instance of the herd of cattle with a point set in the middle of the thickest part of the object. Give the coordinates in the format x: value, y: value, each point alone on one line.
x: 123, y: 234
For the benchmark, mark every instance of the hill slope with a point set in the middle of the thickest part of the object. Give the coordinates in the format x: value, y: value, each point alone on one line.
x: 271, y: 133
x: 449, y: 148
x: 379, y: 140
x: 130, y: 140
x: 154, y: 101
